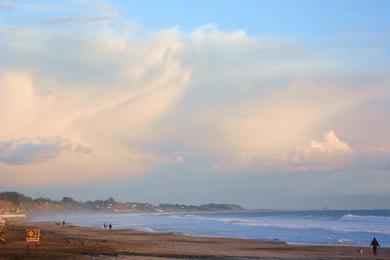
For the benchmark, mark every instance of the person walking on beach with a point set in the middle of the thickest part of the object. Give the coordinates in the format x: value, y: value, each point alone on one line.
x: 105, y: 226
x: 110, y: 226
x: 375, y: 245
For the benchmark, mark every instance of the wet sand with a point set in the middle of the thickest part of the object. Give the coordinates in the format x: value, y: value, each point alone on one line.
x: 72, y: 242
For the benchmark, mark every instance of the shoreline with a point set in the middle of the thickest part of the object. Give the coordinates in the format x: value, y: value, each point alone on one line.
x: 277, y: 240
x: 209, y: 236
x: 70, y: 242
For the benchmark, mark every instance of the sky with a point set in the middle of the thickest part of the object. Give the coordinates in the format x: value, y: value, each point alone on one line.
x: 267, y: 104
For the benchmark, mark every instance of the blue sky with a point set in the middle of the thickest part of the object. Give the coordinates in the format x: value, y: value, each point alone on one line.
x: 263, y: 17
x: 256, y: 17
x: 268, y: 104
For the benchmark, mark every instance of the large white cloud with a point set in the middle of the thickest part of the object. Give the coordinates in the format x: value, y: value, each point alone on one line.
x: 143, y: 100
x: 101, y: 88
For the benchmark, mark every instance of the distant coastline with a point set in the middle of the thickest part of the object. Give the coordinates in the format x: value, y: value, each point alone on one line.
x: 17, y: 203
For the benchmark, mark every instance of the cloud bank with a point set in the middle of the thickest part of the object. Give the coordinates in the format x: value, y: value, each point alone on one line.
x: 146, y: 100
x: 330, y: 154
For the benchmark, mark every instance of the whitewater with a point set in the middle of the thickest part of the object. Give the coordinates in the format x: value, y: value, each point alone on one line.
x: 348, y: 227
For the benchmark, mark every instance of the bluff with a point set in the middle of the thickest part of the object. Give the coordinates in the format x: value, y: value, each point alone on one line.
x: 13, y: 202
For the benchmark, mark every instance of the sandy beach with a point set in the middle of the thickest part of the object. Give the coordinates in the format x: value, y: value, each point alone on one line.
x: 73, y: 242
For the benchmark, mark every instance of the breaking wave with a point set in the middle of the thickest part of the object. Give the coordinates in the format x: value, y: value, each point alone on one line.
x: 352, y: 217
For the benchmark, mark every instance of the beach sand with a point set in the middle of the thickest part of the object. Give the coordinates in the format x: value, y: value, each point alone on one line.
x: 73, y: 242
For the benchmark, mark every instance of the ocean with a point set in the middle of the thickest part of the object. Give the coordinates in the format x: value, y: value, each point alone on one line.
x: 351, y: 227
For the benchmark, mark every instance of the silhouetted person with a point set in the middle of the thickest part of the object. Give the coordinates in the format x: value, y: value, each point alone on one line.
x: 110, y: 226
x: 375, y: 245
x: 105, y: 226
x: 63, y: 222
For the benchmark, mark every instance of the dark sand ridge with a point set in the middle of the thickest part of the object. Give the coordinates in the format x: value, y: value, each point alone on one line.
x: 72, y: 242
